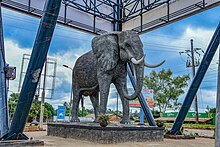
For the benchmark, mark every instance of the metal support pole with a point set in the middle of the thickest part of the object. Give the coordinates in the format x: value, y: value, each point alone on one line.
x: 142, y: 101
x: 217, y: 121
x: 141, y: 116
x: 210, y: 52
x: 43, y: 97
x: 194, y: 72
x: 38, y: 56
x: 141, y: 98
x: 117, y: 103
x: 4, y: 118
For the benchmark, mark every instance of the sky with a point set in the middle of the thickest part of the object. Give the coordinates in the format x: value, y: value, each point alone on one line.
x: 69, y: 44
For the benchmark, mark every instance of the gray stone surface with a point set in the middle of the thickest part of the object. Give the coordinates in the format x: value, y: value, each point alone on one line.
x: 21, y: 143
x: 107, y: 135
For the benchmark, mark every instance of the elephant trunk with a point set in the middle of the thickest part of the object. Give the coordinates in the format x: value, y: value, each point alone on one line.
x: 139, y: 70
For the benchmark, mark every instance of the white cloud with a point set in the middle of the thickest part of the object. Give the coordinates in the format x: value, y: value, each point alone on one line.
x: 176, y: 63
x: 201, y: 38
x: 65, y: 97
x: 207, y: 97
x: 14, y: 55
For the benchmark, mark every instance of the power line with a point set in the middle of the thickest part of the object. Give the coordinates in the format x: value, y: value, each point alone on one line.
x: 32, y: 21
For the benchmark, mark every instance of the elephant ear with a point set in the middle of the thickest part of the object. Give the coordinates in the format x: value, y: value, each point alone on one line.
x: 121, y: 38
x: 105, y: 48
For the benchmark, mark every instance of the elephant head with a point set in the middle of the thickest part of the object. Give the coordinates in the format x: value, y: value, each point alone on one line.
x: 123, y: 47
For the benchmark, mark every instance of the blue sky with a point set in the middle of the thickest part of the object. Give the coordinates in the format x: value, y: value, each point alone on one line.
x: 68, y: 44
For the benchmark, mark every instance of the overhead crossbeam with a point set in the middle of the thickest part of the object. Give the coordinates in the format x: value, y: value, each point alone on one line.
x: 94, y: 7
x: 100, y: 16
x: 135, y: 8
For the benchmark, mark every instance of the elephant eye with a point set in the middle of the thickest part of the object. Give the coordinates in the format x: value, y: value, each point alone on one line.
x: 127, y: 45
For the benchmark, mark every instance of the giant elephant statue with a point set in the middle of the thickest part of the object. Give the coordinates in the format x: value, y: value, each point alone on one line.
x: 105, y: 64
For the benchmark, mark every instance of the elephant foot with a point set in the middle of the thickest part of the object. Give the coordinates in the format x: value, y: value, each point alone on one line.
x: 125, y: 121
x: 75, y: 120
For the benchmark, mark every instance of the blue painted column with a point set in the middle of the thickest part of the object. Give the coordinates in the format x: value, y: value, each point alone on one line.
x: 209, y: 54
x: 4, y: 118
x: 142, y: 101
x: 144, y: 105
x: 35, y: 66
x: 141, y: 116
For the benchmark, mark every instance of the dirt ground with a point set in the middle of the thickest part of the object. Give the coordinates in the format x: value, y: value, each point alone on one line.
x: 51, y: 141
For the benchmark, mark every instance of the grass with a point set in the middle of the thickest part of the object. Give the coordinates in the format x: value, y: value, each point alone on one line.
x: 194, y: 126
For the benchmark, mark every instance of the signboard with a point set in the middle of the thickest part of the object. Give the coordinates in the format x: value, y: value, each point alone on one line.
x: 74, y: 13
x: 152, y: 14
x: 10, y: 72
x: 61, y: 111
x: 148, y: 95
x: 189, y: 115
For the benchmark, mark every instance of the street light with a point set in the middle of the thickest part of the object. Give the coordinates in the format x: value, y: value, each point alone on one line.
x: 71, y: 86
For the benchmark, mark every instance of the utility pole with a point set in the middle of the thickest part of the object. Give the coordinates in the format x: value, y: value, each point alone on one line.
x: 193, y: 72
x: 71, y: 91
x: 43, y: 97
x: 193, y: 64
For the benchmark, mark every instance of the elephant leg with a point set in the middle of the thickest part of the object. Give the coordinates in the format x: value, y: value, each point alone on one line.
x: 124, y: 101
x: 75, y: 104
x: 104, y: 85
x: 95, y: 102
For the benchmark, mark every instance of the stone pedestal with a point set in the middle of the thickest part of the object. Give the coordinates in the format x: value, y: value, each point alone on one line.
x: 108, y: 135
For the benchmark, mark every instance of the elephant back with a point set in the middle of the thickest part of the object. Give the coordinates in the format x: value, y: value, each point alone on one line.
x: 85, y: 70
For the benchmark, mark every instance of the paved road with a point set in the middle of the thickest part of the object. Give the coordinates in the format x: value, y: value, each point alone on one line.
x: 51, y: 141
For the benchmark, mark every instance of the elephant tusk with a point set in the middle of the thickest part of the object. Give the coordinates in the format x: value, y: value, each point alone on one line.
x: 153, y: 66
x: 134, y: 61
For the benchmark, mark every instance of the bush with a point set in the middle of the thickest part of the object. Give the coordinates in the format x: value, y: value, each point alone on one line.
x: 104, y: 118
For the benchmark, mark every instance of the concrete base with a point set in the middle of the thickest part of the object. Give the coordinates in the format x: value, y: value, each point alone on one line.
x: 19, y: 143
x: 179, y: 136
x: 107, y: 135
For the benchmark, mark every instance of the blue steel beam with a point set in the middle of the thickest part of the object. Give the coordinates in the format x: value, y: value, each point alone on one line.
x: 144, y: 105
x: 4, y: 120
x: 210, y: 52
x: 39, y: 53
x: 142, y: 100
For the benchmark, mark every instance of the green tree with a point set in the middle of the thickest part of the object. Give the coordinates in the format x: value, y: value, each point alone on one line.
x: 166, y: 88
x: 210, y: 110
x: 83, y: 112
x: 34, y: 110
x: 68, y: 112
x: 13, y: 100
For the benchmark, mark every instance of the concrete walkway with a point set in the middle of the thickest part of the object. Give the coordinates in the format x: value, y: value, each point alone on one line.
x: 205, y: 133
x: 51, y: 141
